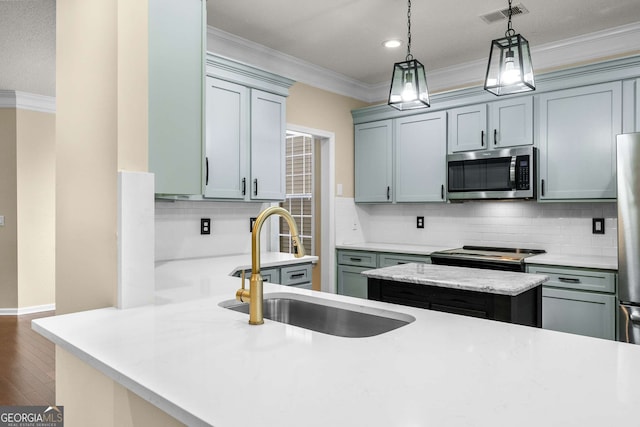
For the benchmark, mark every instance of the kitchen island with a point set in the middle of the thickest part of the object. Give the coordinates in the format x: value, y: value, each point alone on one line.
x: 490, y: 294
x: 204, y: 365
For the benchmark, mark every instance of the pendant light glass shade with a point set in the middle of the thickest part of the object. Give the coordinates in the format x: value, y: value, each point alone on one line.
x: 408, y: 86
x: 509, y: 70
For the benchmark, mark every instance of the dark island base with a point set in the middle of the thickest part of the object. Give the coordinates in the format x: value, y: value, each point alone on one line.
x: 522, y: 309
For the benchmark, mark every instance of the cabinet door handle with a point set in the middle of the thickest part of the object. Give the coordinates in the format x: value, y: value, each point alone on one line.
x: 542, y: 183
x: 442, y: 191
x: 388, y: 192
x: 568, y: 280
x: 244, y: 186
x: 482, y: 138
x: 495, y: 137
x: 255, y: 187
x: 206, y: 179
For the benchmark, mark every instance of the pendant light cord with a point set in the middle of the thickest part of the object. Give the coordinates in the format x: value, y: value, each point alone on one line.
x: 409, y: 55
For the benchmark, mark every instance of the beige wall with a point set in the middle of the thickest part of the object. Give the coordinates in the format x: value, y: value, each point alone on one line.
x: 36, y: 208
x: 319, y: 109
x: 101, y: 127
x: 8, y: 208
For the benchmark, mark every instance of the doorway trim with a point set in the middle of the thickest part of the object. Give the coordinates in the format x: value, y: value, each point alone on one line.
x: 327, y: 201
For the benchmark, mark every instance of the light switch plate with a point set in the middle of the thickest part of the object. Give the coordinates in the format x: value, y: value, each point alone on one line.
x: 1, y: 220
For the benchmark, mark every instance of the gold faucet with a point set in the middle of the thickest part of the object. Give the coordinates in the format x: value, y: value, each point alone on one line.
x: 254, y: 296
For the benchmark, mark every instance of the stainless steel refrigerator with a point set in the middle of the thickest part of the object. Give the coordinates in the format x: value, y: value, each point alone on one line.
x: 628, y: 164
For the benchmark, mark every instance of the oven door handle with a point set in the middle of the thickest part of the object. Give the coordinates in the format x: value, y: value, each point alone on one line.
x: 512, y: 173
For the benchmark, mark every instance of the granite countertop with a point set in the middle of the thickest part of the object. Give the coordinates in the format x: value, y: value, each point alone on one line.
x: 469, y: 279
x: 205, y: 365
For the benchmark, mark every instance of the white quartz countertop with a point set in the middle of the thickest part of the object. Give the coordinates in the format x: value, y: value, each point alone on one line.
x: 583, y: 261
x: 567, y: 260
x: 469, y: 279
x: 181, y: 280
x: 400, y: 248
x: 205, y: 365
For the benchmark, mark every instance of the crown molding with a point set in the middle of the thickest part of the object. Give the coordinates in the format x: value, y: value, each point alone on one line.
x: 625, y: 68
x: 592, y: 47
x: 242, y: 50
x: 27, y: 101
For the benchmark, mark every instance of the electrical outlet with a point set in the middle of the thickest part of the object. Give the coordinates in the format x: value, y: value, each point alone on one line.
x: 205, y: 225
x: 420, y: 222
x: 1, y: 220
x: 597, y: 226
x: 252, y: 222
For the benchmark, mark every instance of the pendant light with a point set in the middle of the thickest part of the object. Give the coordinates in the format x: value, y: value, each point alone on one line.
x: 509, y: 69
x: 409, y: 81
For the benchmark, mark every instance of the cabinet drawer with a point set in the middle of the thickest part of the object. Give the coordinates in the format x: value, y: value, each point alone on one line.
x: 363, y: 259
x: 271, y: 275
x: 295, y: 275
x: 577, y: 278
x: 387, y: 260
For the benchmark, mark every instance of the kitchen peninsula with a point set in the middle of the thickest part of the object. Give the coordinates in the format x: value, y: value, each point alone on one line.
x: 498, y: 295
x: 206, y: 366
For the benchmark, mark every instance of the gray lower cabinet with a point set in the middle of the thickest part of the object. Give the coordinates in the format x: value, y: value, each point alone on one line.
x: 351, y: 263
x: 578, y: 301
x: 351, y: 282
x: 298, y: 275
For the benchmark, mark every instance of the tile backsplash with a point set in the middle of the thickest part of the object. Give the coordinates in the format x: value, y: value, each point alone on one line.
x: 177, y: 228
x: 563, y: 228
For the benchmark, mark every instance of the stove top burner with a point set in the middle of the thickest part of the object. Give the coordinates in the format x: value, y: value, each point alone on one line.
x: 485, y: 257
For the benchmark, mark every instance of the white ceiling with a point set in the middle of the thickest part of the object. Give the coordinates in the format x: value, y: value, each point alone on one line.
x: 345, y: 36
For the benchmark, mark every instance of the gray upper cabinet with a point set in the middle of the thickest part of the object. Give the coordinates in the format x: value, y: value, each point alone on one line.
x: 468, y: 128
x: 176, y: 94
x: 227, y: 135
x: 420, y: 158
x: 511, y: 122
x: 401, y: 160
x: 577, y: 137
x: 373, y: 161
x: 268, y: 128
x: 506, y: 123
x: 245, y: 132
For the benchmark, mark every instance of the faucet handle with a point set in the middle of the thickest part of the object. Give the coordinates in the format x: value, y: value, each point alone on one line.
x: 242, y: 294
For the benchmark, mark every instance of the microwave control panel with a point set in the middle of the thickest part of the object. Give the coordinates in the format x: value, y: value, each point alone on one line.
x: 522, y: 172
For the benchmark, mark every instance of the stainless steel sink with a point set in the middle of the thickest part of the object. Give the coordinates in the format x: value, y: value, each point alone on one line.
x: 326, y: 316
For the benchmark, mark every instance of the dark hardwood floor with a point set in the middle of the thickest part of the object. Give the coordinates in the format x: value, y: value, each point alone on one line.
x: 27, y: 363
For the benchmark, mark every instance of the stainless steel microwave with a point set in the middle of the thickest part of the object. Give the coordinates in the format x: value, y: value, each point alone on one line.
x: 496, y: 174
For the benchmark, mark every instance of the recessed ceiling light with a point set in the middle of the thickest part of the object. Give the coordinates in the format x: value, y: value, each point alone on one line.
x: 392, y: 43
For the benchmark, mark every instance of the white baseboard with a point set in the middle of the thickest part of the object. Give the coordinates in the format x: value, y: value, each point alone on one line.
x: 27, y: 310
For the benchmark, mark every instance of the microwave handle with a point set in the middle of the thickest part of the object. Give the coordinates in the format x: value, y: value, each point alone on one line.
x: 512, y: 173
